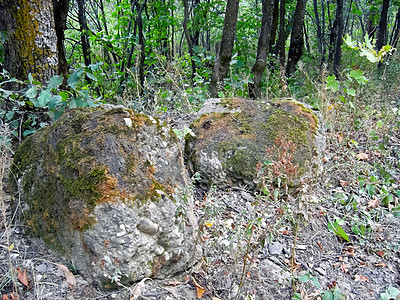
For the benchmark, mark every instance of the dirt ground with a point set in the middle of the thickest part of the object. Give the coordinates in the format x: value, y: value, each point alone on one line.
x: 253, y: 247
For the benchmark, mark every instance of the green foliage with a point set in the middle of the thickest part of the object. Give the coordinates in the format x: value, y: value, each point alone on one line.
x: 25, y: 110
x: 335, y: 227
x: 391, y: 293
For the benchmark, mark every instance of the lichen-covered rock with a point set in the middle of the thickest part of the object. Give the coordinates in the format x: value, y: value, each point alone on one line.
x: 105, y: 188
x: 232, y: 135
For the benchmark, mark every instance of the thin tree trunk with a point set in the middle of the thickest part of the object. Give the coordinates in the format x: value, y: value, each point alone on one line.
x: 139, y: 21
x: 275, y: 22
x: 381, y: 36
x: 318, y: 26
x: 262, y: 49
x: 339, y: 37
x: 394, y: 37
x: 221, y: 66
x: 84, y: 33
x: 60, y: 20
x: 296, y: 40
x: 188, y: 38
x: 280, y: 49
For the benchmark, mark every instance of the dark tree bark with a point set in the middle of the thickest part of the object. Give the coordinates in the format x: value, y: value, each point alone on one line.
x: 84, y: 32
x: 319, y: 31
x: 188, y: 37
x: 381, y: 36
x: 280, y: 48
x: 262, y: 49
x: 31, y: 45
x: 275, y: 23
x: 297, y: 39
x: 394, y: 37
x: 139, y: 22
x: 221, y: 66
x: 339, y: 37
x: 60, y: 19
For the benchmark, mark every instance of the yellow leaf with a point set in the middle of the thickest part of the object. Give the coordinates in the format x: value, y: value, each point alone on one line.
x: 209, y: 224
x: 11, y: 247
x: 68, y: 275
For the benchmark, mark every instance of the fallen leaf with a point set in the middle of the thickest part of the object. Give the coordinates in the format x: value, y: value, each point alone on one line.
x: 380, y: 253
x: 68, y: 275
x: 199, y: 289
x: 344, y: 183
x: 362, y: 156
x: 199, y: 292
x: 374, y: 203
x: 319, y: 245
x: 360, y: 278
x: 215, y: 298
x: 294, y: 265
x: 22, y: 277
x: 137, y: 290
x: 210, y: 224
x: 173, y: 282
x: 381, y: 264
x: 4, y: 297
x: 344, y: 267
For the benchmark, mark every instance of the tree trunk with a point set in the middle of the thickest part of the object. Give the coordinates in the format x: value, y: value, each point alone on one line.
x: 60, y: 19
x: 339, y: 37
x: 188, y: 38
x: 31, y: 46
x: 297, y: 39
x: 262, y: 49
x: 139, y: 21
x: 275, y: 22
x: 319, y: 31
x: 280, y: 48
x: 221, y: 66
x: 394, y: 37
x: 381, y: 36
x: 84, y: 32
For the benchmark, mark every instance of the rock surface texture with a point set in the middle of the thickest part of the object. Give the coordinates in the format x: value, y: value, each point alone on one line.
x: 232, y: 135
x: 103, y: 187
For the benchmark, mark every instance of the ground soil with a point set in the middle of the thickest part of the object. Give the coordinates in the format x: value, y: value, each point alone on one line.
x: 253, y: 247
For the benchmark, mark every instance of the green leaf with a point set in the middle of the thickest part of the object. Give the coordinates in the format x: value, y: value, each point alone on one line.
x: 55, y: 82
x: 356, y: 74
x: 315, y: 281
x: 379, y: 124
x: 91, y: 76
x: 304, y: 278
x: 54, y: 101
x: 43, y: 99
x: 370, y: 55
x: 74, y: 78
x: 32, y: 92
x: 10, y: 115
x: 64, y: 96
x: 349, y: 42
x: 30, y: 78
x: 351, y: 92
x: 333, y: 84
x: 334, y: 227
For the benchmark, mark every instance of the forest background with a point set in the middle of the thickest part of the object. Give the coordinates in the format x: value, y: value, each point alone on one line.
x: 154, y: 56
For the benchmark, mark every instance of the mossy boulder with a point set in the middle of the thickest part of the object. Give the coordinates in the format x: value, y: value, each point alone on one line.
x: 232, y: 134
x: 103, y: 187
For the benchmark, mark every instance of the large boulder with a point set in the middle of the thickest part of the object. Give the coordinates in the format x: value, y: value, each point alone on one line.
x: 106, y: 188
x: 232, y: 134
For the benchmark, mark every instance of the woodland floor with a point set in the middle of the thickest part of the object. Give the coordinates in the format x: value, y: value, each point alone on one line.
x: 238, y: 264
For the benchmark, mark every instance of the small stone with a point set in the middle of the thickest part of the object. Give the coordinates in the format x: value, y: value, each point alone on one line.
x: 275, y: 248
x: 147, y: 226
